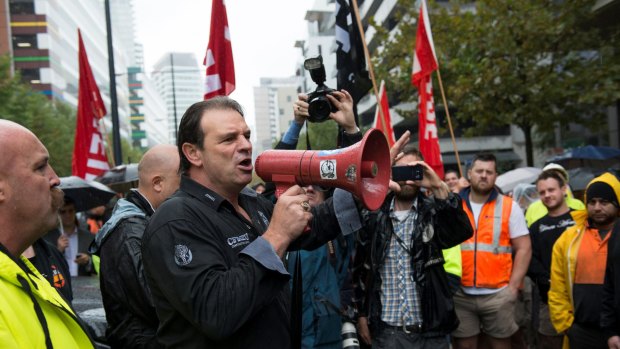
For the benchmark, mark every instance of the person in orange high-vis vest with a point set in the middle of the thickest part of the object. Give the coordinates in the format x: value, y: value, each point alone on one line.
x: 495, y: 260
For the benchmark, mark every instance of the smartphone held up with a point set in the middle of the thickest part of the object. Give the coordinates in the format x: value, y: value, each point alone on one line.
x: 407, y: 173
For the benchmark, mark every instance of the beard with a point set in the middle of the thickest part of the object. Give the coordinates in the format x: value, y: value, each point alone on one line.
x: 480, y: 191
x: 407, y: 192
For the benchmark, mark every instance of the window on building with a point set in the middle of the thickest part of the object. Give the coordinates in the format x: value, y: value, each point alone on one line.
x: 281, y: 111
x: 30, y: 76
x: 24, y: 42
x: 21, y: 7
x: 289, y: 98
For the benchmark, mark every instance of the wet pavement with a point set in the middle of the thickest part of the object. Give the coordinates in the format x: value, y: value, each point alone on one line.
x: 87, y: 303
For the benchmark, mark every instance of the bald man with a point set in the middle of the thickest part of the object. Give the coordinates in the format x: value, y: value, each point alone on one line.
x: 131, y: 317
x: 32, y: 312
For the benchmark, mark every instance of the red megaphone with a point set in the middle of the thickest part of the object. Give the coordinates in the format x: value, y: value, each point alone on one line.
x: 362, y: 169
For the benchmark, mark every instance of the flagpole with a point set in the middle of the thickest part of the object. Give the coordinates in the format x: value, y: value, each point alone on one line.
x: 108, y: 146
x: 371, y: 71
x: 445, y: 105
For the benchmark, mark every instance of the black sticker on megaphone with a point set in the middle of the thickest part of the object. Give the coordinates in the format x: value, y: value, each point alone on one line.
x: 328, y: 169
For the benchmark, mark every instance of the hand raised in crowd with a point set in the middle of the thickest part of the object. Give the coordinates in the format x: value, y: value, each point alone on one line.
x: 62, y: 243
x: 343, y: 102
x: 82, y: 258
x: 396, y: 151
x: 300, y: 108
x: 614, y: 342
x: 363, y: 331
x: 291, y: 215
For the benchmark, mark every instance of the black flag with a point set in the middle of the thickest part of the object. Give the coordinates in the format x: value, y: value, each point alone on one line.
x: 350, y: 61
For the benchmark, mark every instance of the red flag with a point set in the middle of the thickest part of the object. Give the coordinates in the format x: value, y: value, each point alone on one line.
x: 424, y: 63
x: 89, y: 156
x: 219, y: 58
x: 384, y: 124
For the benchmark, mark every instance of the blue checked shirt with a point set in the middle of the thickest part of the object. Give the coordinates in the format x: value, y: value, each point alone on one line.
x: 400, y: 297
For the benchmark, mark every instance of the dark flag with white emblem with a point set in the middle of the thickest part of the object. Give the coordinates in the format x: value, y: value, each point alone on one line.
x: 350, y: 61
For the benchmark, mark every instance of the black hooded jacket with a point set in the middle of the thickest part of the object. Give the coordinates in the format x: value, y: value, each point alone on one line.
x: 449, y: 226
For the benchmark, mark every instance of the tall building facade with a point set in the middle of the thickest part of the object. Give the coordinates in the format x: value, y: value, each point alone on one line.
x: 179, y: 81
x: 273, y: 109
x: 43, y: 40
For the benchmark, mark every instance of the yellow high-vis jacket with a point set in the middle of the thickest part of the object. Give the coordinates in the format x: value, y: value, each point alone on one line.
x: 21, y: 293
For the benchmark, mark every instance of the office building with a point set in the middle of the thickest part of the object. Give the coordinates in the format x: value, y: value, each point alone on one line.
x: 179, y: 80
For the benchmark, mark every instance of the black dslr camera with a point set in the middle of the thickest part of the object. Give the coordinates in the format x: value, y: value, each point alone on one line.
x: 320, y: 107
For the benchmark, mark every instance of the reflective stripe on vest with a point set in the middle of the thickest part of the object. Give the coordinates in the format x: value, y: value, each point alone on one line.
x: 494, y: 247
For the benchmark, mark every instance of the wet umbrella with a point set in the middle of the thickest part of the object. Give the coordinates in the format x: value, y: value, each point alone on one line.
x: 509, y: 180
x: 85, y: 194
x: 120, y: 178
x: 588, y: 156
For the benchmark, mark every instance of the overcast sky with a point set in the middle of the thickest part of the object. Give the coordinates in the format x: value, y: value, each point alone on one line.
x: 263, y: 34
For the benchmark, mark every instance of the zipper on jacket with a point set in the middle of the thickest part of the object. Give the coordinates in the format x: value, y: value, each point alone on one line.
x: 475, y: 253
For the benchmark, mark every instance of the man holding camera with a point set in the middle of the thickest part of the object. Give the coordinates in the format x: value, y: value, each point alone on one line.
x: 401, y: 288
x: 213, y: 252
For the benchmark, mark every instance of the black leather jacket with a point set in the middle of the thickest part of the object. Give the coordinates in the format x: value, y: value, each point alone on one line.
x: 448, y: 225
x: 130, y: 313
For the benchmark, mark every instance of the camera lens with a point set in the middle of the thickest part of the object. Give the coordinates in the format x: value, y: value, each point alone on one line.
x: 349, y: 336
x: 319, y: 109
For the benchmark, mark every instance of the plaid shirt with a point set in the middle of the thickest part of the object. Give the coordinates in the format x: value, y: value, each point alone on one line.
x: 400, y: 297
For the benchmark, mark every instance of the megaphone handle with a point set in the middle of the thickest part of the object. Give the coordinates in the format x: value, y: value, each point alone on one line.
x: 281, y: 188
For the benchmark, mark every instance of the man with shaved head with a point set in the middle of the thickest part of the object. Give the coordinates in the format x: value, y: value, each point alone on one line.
x: 33, y: 314
x: 132, y: 320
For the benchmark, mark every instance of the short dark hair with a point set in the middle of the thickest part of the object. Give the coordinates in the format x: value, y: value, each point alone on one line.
x: 551, y: 174
x: 411, y: 149
x: 451, y: 170
x: 485, y: 157
x: 189, y: 128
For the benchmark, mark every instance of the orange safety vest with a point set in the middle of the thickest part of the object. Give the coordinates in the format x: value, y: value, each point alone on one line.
x: 487, y: 255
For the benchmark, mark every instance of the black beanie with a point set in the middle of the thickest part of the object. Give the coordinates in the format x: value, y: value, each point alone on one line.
x: 603, y: 191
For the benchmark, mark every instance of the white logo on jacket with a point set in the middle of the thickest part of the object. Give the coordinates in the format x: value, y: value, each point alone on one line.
x: 182, y: 255
x: 236, y: 241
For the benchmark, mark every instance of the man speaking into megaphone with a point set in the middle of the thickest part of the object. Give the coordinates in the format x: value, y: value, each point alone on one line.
x: 212, y: 252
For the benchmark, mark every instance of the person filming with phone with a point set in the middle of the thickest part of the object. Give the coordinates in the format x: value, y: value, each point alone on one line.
x: 401, y: 289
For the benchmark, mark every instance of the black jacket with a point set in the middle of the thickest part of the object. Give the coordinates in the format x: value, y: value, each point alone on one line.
x: 451, y: 227
x: 610, y: 315
x: 53, y: 266
x: 130, y: 313
x: 208, y: 293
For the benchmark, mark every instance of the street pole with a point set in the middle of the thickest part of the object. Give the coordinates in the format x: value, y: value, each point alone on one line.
x: 174, y: 100
x: 116, y: 135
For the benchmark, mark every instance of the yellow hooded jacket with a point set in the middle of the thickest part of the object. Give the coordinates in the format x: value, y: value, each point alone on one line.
x: 20, y: 326
x: 563, y: 263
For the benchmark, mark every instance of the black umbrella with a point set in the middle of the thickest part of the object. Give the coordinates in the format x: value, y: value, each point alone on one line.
x: 120, y: 178
x: 85, y: 194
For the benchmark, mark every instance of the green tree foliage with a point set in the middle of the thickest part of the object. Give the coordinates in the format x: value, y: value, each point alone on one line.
x: 530, y: 63
x: 52, y: 121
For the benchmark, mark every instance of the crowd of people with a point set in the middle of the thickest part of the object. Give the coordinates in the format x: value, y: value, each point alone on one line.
x: 196, y: 258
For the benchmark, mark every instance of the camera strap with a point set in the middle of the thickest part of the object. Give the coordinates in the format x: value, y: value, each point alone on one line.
x: 308, y: 147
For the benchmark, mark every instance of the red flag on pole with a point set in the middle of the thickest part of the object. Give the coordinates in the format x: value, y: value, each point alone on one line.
x: 219, y: 58
x: 89, y: 156
x: 424, y: 63
x: 383, y: 122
